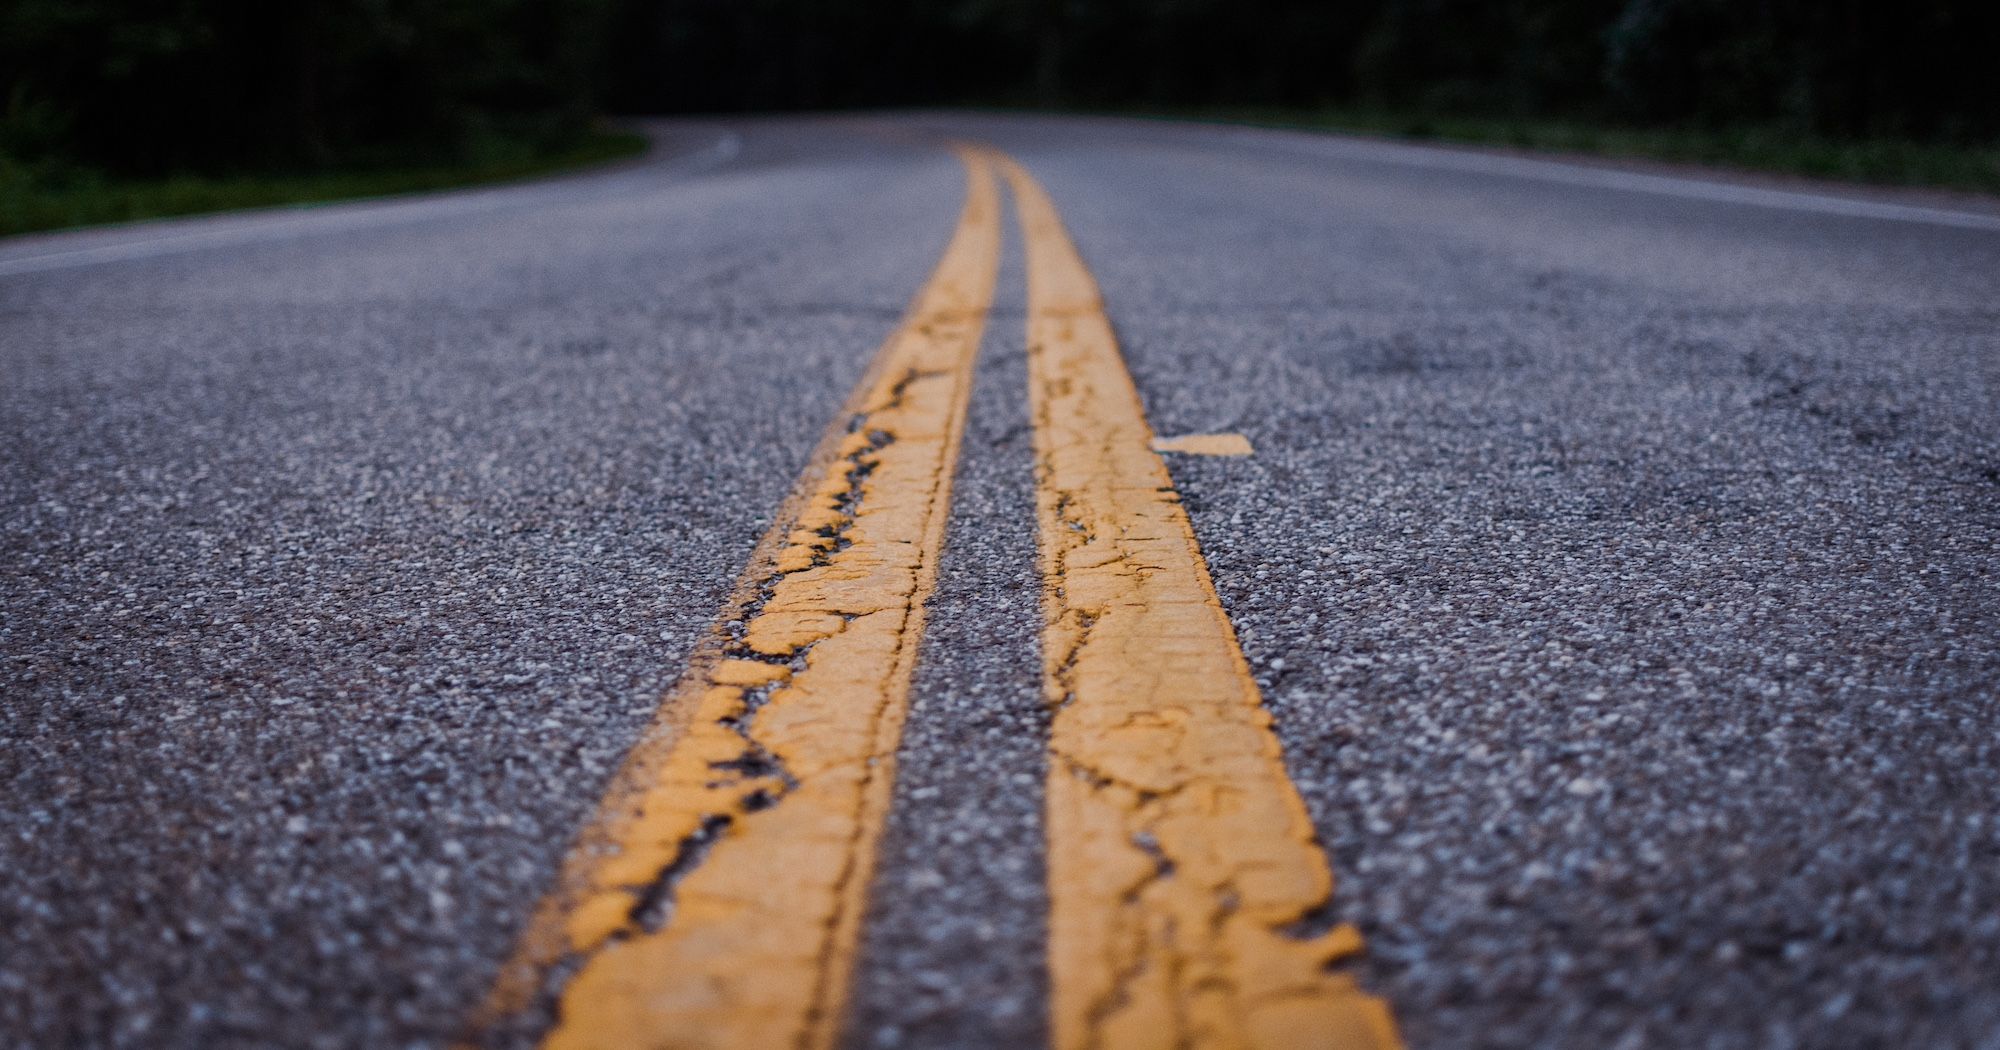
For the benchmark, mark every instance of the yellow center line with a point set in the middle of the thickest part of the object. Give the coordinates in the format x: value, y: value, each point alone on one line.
x: 717, y: 899
x: 1185, y: 882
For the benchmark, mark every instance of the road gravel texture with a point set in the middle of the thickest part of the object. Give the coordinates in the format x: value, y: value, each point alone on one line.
x: 1624, y: 577
x: 341, y: 571
x: 1622, y: 569
x: 952, y: 955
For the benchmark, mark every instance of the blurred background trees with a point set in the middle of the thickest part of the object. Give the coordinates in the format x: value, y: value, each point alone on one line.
x: 150, y: 86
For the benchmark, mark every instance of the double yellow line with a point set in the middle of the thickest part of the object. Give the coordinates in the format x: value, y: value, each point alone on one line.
x: 717, y: 899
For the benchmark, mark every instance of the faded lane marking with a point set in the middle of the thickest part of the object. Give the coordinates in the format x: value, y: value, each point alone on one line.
x: 717, y: 900
x: 1188, y: 895
x: 1205, y: 445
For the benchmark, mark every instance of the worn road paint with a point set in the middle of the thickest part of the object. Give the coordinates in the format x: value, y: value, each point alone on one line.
x: 1187, y: 891
x: 1205, y: 445
x: 717, y: 901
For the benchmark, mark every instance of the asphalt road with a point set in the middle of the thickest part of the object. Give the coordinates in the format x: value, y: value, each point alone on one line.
x: 1620, y: 560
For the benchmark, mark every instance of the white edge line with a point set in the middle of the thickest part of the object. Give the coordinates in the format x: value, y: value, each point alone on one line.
x: 355, y: 215
x: 1613, y: 179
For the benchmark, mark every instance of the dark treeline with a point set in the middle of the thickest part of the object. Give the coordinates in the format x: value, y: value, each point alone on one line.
x: 1913, y: 68
x: 148, y: 86
x: 152, y: 85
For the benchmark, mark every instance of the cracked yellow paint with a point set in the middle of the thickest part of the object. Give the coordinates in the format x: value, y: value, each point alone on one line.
x: 717, y: 901
x: 1205, y: 445
x: 1186, y: 886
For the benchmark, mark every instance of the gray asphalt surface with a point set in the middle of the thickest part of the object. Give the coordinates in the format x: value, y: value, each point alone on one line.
x: 1620, y: 558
